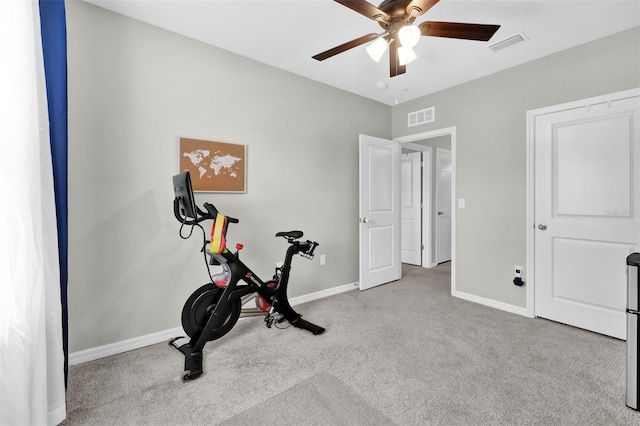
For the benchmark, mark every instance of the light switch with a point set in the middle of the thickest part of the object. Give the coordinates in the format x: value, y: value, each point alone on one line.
x: 461, y: 203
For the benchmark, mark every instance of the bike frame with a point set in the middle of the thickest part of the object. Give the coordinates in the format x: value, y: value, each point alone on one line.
x: 238, y: 271
x: 277, y: 296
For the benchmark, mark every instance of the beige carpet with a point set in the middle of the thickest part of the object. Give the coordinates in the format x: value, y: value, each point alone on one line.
x: 319, y: 400
x: 406, y: 352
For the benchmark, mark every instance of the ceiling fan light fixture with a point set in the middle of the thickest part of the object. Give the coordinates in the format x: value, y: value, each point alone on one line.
x: 406, y: 55
x: 409, y: 35
x: 377, y: 49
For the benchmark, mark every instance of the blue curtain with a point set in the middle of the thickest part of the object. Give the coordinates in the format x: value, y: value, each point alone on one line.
x: 54, y: 47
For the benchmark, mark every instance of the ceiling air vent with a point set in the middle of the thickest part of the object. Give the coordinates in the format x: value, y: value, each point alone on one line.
x: 421, y: 117
x: 508, y: 42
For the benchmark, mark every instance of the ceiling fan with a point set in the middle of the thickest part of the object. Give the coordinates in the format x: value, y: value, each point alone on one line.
x: 396, y: 17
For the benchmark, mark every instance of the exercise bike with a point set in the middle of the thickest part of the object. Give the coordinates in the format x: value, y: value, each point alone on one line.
x: 213, y: 309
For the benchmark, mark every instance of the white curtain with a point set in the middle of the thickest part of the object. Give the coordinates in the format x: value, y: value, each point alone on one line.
x: 32, y: 388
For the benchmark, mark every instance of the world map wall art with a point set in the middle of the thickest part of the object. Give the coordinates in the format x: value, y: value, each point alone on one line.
x: 214, y: 166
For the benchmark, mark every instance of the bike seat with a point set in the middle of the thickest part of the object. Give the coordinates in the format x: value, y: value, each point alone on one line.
x: 290, y: 235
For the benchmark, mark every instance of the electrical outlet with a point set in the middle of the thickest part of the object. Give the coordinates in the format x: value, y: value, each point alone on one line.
x: 323, y: 259
x: 517, y: 279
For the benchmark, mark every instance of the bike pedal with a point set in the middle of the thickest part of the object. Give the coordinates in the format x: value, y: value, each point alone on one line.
x: 268, y: 320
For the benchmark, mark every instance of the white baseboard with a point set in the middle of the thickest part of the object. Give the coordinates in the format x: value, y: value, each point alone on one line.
x: 123, y: 346
x: 491, y: 303
x: 92, y: 354
x: 322, y: 294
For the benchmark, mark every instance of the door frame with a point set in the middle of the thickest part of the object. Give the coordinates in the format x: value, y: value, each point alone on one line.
x: 530, y: 171
x: 451, y: 132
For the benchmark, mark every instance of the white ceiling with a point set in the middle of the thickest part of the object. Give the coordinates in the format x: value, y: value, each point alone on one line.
x: 286, y: 33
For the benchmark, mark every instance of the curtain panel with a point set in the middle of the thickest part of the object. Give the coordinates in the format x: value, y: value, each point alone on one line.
x: 31, y: 351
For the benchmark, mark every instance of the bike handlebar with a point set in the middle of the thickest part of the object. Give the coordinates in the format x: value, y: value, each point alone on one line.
x: 211, y: 213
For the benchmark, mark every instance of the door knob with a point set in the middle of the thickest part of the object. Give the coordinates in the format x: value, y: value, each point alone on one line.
x: 542, y: 227
x: 366, y: 220
x: 440, y: 213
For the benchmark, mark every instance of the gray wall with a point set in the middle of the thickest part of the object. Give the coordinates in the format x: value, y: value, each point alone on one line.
x: 490, y: 117
x: 133, y: 90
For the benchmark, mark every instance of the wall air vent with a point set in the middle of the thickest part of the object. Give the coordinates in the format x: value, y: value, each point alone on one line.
x: 423, y: 116
x: 508, y: 42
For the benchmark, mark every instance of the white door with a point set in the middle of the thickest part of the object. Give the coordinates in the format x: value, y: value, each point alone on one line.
x: 586, y: 213
x: 379, y: 211
x: 411, y: 208
x: 443, y: 205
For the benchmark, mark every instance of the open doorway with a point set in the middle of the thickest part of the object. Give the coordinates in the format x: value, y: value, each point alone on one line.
x: 438, y: 225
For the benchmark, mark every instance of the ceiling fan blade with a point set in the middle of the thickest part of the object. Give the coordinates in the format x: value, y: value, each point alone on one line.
x: 365, y: 8
x: 419, y: 7
x: 394, y: 61
x: 479, y: 32
x: 344, y: 47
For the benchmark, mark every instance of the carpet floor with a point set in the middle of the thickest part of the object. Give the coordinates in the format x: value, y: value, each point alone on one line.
x: 405, y: 353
